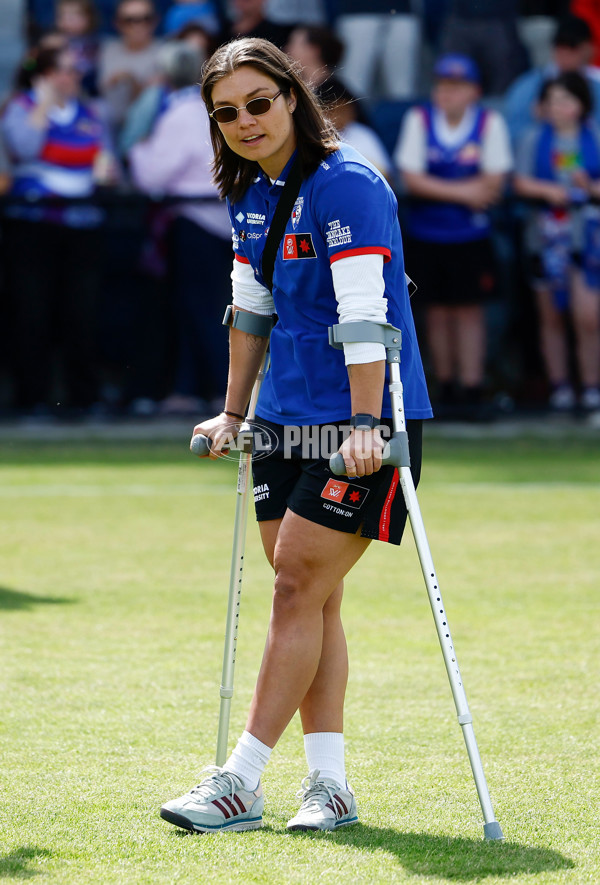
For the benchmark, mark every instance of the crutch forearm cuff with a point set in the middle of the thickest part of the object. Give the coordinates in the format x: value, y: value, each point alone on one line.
x: 250, y: 323
x: 365, y: 331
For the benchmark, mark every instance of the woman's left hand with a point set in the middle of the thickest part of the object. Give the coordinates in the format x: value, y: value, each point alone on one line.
x: 362, y: 452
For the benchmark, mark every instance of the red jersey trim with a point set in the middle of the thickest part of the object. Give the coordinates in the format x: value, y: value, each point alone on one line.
x: 384, y: 520
x: 74, y: 156
x: 241, y: 259
x: 366, y: 250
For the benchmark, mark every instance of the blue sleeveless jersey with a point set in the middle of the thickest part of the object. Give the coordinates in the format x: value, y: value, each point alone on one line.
x: 450, y: 222
x: 344, y: 208
x: 547, y: 160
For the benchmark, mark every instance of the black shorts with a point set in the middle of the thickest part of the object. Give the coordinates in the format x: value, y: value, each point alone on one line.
x: 285, y: 479
x: 451, y: 274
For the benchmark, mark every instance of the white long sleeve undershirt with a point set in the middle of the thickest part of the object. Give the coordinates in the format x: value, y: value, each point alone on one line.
x: 359, y: 290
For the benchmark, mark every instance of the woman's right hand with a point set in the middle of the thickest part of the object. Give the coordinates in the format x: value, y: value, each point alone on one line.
x: 221, y: 431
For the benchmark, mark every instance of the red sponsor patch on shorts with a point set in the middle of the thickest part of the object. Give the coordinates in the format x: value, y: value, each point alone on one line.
x: 348, y: 494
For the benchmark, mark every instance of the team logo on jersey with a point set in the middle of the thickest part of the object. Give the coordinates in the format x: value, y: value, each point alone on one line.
x: 297, y: 211
x: 470, y: 153
x: 298, y: 246
x: 348, y: 494
x: 243, y: 236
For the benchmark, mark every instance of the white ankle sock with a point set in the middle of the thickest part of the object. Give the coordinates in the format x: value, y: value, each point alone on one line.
x: 248, y: 760
x: 325, y: 751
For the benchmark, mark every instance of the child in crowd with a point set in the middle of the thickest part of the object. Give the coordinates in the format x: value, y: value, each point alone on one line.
x: 454, y: 155
x: 77, y: 20
x: 558, y: 162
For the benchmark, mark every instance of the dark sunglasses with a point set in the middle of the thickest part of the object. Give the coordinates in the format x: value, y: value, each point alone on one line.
x: 136, y: 19
x: 257, y: 107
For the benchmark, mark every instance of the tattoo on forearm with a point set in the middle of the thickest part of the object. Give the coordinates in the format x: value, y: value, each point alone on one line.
x: 254, y: 343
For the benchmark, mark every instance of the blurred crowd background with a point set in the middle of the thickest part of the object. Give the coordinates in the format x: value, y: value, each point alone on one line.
x: 115, y: 253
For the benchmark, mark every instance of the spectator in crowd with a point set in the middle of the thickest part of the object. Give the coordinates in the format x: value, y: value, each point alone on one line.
x: 77, y: 20
x: 53, y: 251
x: 559, y: 163
x: 454, y: 155
x: 128, y: 63
x: 486, y: 31
x: 318, y: 52
x: 186, y: 12
x: 144, y: 110
x: 573, y: 50
x: 589, y: 11
x: 249, y: 20
x: 380, y: 38
x: 349, y: 119
x: 176, y: 159
x: 537, y: 26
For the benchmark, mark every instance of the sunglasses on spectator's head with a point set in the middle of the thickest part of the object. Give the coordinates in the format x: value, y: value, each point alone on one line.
x: 256, y: 107
x: 146, y: 19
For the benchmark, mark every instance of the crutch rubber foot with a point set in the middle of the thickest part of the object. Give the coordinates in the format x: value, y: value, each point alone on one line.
x: 493, y: 830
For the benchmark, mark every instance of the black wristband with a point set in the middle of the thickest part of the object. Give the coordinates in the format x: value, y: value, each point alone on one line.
x: 234, y: 415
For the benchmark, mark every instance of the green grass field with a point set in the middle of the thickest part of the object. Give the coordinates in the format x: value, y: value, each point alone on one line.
x: 115, y: 563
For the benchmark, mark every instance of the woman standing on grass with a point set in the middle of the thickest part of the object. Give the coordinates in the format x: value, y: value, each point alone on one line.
x: 341, y: 261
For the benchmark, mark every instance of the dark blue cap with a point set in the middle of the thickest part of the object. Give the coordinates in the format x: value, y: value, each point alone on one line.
x: 456, y: 67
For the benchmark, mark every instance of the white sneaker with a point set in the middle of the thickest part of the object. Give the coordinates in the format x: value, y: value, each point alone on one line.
x: 590, y: 399
x: 325, y: 806
x: 562, y: 398
x: 219, y: 803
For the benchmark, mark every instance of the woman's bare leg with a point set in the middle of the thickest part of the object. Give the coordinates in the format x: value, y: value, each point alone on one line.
x: 310, y: 562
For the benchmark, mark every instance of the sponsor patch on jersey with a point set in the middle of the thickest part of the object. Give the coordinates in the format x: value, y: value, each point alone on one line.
x: 240, y: 217
x: 346, y: 493
x: 338, y: 234
x: 298, y: 246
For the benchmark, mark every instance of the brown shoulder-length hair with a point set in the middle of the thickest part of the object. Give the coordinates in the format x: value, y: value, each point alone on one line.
x: 315, y: 135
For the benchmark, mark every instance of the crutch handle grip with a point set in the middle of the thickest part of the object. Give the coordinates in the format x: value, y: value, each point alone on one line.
x: 200, y: 445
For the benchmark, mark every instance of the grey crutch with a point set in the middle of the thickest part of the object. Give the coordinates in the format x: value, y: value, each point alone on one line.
x: 396, y: 453
x: 200, y: 445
